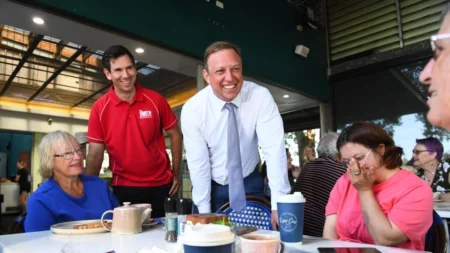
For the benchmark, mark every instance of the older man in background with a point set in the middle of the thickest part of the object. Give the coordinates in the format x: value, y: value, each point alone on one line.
x: 316, y: 182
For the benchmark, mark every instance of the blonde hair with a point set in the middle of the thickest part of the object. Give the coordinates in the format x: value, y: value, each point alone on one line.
x: 47, y: 153
x: 306, y: 158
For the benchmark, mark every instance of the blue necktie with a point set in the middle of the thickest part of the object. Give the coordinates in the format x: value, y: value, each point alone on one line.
x: 236, y: 188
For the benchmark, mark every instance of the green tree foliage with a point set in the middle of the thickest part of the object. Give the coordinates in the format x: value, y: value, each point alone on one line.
x: 429, y: 130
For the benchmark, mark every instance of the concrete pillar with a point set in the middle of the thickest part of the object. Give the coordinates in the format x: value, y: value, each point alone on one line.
x: 200, y: 81
x: 326, y: 119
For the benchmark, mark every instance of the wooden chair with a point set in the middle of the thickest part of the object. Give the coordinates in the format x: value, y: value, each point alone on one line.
x: 257, y: 213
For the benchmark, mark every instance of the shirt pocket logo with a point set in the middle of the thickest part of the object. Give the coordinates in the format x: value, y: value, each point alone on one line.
x: 145, y: 114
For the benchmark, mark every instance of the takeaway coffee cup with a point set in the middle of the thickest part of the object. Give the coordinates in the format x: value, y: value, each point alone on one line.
x: 290, y: 216
x: 207, y: 238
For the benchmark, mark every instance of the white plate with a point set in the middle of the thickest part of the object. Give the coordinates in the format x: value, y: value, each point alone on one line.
x: 66, y: 228
x: 437, y: 200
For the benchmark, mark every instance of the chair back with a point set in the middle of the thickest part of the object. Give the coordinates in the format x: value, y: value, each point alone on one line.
x: 257, y: 213
x: 436, y: 238
x: 16, y: 225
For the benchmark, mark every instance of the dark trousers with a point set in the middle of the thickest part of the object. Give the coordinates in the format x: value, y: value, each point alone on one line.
x: 253, y: 184
x: 153, y: 195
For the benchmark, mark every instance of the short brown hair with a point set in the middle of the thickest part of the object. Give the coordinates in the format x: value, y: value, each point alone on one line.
x: 217, y: 46
x: 371, y: 136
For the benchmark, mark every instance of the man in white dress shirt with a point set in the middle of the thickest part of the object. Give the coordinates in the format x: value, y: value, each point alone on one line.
x: 204, y: 126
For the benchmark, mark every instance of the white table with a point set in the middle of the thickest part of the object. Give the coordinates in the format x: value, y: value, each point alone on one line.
x: 443, y: 209
x: 101, y: 243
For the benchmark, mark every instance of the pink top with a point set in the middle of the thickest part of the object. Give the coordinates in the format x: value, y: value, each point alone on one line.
x: 404, y: 198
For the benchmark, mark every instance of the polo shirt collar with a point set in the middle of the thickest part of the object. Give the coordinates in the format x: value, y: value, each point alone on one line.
x: 138, y: 97
x: 218, y: 104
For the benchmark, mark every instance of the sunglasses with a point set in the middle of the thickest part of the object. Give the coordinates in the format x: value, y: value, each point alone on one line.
x: 417, y: 152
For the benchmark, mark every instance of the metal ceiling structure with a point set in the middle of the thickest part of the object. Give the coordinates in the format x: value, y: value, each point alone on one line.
x: 35, y: 67
x: 59, y: 63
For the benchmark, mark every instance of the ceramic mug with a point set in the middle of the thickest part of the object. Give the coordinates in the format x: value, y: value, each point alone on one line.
x: 260, y: 243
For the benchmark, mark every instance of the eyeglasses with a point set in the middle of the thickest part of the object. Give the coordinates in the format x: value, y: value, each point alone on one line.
x: 69, y: 155
x: 417, y: 152
x: 346, y: 163
x: 436, y: 49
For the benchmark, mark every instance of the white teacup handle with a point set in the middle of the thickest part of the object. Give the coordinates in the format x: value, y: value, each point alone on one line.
x: 103, y: 216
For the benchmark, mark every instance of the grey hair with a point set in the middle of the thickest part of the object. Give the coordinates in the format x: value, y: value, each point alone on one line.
x: 445, y: 12
x: 47, y: 151
x: 327, y: 146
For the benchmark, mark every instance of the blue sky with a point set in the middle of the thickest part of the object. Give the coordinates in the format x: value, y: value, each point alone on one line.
x: 406, y: 134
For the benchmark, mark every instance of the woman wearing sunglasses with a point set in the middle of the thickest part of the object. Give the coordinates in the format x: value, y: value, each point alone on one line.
x: 427, y: 159
x: 376, y: 202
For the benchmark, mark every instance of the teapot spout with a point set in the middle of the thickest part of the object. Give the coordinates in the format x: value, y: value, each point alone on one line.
x: 145, y: 214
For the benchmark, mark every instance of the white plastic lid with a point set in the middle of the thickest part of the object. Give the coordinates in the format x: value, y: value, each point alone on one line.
x: 297, y: 197
x: 207, y: 235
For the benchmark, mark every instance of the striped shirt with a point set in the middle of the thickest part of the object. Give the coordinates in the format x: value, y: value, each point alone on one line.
x: 315, y: 183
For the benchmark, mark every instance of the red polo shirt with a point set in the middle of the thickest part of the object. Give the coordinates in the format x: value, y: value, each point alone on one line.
x: 133, y: 135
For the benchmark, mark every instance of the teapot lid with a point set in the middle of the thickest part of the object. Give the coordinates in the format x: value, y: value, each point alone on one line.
x: 126, y: 206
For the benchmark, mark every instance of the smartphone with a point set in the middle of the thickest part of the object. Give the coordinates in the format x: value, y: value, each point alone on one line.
x: 348, y: 250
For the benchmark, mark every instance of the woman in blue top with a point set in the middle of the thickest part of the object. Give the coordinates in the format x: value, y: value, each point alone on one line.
x: 67, y: 195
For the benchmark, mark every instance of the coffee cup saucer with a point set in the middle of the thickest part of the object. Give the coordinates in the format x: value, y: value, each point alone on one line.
x: 150, y: 223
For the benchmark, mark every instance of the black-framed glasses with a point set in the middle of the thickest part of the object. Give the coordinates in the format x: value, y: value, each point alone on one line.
x: 417, y: 152
x: 69, y: 155
x: 346, y: 163
x: 436, y: 49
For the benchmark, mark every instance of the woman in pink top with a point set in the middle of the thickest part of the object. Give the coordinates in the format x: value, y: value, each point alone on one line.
x: 375, y: 201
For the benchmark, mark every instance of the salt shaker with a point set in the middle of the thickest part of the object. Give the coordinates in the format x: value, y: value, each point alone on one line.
x: 184, y: 207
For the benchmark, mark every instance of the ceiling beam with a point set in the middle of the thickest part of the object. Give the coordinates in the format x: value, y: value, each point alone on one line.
x: 409, y: 86
x: 90, y: 96
x: 139, y: 65
x: 58, y: 71
x: 86, y: 55
x: 22, y: 61
x: 54, y: 62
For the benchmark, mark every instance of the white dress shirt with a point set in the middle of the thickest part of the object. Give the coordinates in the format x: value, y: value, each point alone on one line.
x: 204, y: 126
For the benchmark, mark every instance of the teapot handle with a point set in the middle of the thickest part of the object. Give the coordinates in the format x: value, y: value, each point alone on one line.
x: 103, y: 216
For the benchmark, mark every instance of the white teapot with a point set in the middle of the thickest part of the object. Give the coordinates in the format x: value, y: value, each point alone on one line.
x: 126, y: 219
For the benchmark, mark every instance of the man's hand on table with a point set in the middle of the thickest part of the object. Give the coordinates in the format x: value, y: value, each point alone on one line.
x: 175, y: 186
x: 274, y: 220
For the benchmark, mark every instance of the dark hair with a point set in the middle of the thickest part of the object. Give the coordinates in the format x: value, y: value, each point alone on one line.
x: 371, y: 136
x: 217, y: 46
x: 432, y: 145
x: 115, y: 52
x: 445, y: 12
x: 264, y: 168
x: 22, y: 162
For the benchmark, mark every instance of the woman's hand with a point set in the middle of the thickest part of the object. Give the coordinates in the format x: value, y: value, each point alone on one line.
x: 361, y: 177
x: 436, y: 195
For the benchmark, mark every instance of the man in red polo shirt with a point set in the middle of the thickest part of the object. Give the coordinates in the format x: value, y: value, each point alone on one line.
x: 129, y: 121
